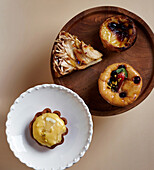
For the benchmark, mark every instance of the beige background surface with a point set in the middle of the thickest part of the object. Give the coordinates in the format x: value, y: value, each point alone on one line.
x: 27, y: 32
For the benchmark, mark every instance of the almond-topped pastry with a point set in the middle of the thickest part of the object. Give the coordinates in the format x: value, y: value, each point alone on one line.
x: 69, y: 54
x: 120, y: 84
x: 118, y: 33
x: 48, y: 128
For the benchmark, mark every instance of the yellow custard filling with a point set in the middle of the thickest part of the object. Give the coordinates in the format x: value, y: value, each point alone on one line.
x: 111, y: 37
x: 48, y: 129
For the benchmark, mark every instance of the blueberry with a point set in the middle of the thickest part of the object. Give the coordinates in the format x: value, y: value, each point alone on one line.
x: 123, y: 27
x: 117, y: 32
x: 112, y: 26
x: 130, y: 26
x: 122, y: 66
x: 137, y: 80
x: 113, y: 73
x: 123, y: 94
x: 110, y: 80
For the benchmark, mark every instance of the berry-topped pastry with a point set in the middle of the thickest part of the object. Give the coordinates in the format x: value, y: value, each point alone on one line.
x: 120, y: 84
x: 48, y: 128
x: 118, y: 33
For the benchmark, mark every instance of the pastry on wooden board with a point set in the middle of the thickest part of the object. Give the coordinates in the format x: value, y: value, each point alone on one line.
x: 120, y: 84
x: 48, y: 128
x: 118, y: 33
x: 69, y: 54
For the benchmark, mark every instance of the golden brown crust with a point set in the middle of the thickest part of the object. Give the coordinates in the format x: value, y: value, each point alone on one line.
x: 128, y: 86
x: 70, y: 54
x: 47, y: 110
x: 116, y: 44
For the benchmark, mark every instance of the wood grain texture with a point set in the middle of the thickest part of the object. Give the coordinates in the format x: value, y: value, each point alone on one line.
x: 140, y: 56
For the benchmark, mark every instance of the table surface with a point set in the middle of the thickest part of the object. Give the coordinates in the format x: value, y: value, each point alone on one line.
x: 27, y: 30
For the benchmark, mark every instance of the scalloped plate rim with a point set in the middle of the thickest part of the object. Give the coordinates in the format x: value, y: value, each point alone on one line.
x: 22, y: 95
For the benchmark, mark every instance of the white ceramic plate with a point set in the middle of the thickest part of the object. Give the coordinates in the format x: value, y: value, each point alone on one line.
x: 71, y: 106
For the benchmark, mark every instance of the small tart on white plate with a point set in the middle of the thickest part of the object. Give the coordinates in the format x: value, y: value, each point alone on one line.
x: 48, y: 128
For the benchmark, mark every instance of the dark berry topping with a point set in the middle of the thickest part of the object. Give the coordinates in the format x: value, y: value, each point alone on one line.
x: 137, y: 80
x: 122, y: 66
x: 117, y: 78
x: 123, y: 94
x: 113, y: 73
x: 112, y: 26
x: 121, y: 29
x: 111, y: 79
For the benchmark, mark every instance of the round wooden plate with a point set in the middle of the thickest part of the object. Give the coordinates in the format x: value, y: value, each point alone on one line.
x: 141, y: 56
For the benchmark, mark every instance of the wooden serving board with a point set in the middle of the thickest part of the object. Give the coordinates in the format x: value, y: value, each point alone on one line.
x: 140, y: 56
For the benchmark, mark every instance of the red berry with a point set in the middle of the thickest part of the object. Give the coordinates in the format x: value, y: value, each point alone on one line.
x: 120, y: 79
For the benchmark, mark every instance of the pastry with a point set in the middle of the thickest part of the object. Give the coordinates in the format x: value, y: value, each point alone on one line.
x: 118, y: 33
x: 69, y: 54
x: 48, y: 128
x: 120, y: 84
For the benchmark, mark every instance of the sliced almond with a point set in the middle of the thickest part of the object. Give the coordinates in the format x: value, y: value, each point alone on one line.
x: 81, y: 57
x: 90, y: 52
x: 70, y: 54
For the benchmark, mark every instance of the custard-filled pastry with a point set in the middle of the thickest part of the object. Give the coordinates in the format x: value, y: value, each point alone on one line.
x: 69, y: 54
x: 118, y: 33
x: 48, y: 128
x: 120, y: 84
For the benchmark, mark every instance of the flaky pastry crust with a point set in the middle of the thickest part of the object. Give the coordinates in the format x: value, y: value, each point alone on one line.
x: 129, y: 87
